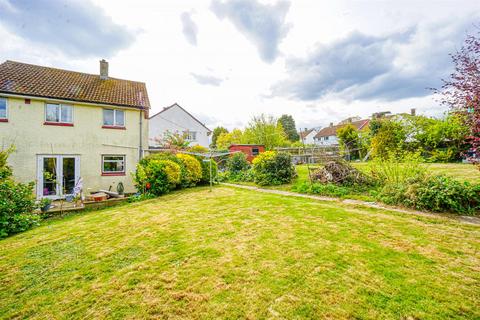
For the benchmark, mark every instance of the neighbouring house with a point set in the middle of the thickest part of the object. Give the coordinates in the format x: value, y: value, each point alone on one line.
x: 68, y: 126
x: 328, y: 135
x: 250, y: 150
x: 307, y: 135
x: 176, y: 120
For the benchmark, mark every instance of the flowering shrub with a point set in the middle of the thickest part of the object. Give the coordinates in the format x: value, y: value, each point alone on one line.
x: 272, y: 168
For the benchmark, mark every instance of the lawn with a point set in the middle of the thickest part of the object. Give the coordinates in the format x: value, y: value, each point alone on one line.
x: 234, y: 253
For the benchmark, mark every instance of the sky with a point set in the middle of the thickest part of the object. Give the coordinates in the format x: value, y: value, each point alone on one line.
x: 226, y: 61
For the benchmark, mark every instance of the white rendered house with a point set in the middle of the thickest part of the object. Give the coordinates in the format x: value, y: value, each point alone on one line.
x: 176, y: 120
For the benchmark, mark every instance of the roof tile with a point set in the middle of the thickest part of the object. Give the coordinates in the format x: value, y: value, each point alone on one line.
x: 28, y: 79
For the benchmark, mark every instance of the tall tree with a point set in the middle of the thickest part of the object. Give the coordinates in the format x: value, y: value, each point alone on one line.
x: 265, y: 130
x: 225, y: 139
x: 348, y: 139
x: 461, y: 91
x: 216, y: 133
x: 288, y: 124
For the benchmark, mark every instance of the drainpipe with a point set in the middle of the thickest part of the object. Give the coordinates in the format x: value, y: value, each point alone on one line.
x: 140, y: 145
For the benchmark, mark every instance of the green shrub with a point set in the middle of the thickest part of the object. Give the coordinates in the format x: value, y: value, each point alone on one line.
x: 5, y: 170
x: 193, y: 173
x: 237, y: 163
x: 395, y: 169
x: 172, y: 157
x: 241, y: 176
x: 17, y: 203
x: 157, y: 176
x: 272, y: 168
x: 206, y: 169
x: 328, y: 189
x: 434, y: 193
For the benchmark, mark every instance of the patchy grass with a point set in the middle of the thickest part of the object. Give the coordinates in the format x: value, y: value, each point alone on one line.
x: 241, y: 254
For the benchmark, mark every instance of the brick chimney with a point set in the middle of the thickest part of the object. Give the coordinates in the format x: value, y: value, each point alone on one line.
x: 331, y: 124
x: 413, y: 111
x: 103, y: 69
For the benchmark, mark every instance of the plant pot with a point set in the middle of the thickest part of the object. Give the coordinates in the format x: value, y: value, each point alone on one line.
x: 46, y: 207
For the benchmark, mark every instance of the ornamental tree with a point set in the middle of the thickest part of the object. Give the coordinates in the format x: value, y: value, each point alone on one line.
x: 461, y: 91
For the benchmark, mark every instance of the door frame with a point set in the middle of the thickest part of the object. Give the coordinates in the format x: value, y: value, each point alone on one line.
x: 59, y: 173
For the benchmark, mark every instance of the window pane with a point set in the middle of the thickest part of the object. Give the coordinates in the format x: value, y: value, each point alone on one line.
x: 108, y: 117
x: 49, y: 176
x: 67, y: 113
x: 3, y: 108
x: 113, y: 164
x: 52, y: 113
x: 119, y: 118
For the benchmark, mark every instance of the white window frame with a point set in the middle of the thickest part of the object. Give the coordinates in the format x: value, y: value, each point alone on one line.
x: 59, y: 112
x: 114, y: 118
x: 6, y: 108
x: 188, y: 135
x: 114, y: 155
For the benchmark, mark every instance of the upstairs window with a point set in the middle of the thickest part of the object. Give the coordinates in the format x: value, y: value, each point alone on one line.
x: 3, y: 108
x: 113, y: 118
x: 190, y: 135
x: 113, y: 165
x: 58, y: 113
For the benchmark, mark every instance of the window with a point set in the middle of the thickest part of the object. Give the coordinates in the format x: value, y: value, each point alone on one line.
x: 190, y: 135
x: 113, y: 165
x: 58, y: 113
x: 113, y: 118
x: 255, y: 152
x: 3, y: 108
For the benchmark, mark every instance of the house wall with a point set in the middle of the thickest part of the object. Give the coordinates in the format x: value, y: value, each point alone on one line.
x: 332, y: 140
x: 309, y: 138
x: 25, y: 129
x: 176, y: 120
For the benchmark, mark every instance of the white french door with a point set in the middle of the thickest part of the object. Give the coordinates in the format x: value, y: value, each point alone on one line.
x: 57, y: 175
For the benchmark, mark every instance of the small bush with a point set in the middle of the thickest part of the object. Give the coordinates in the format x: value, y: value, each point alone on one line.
x: 272, y: 168
x: 237, y: 163
x: 17, y: 203
x: 193, y: 168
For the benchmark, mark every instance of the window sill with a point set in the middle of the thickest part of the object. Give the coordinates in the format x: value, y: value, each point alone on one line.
x: 3, y: 120
x: 113, y: 174
x: 60, y: 124
x: 114, y: 127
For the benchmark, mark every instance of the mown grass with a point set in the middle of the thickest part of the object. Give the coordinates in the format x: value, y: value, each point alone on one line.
x: 241, y: 254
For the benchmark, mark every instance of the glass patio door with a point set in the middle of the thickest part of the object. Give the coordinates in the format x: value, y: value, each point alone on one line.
x: 57, y: 175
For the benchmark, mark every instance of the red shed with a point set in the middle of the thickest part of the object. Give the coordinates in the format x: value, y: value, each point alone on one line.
x: 251, y: 150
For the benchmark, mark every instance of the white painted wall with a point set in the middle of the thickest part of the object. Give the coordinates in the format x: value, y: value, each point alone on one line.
x: 332, y: 140
x: 176, y: 120
x: 309, y: 138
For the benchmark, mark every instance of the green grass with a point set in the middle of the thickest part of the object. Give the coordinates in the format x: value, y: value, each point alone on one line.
x: 241, y: 254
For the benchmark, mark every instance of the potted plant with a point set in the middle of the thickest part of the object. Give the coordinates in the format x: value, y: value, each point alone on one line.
x: 45, y: 204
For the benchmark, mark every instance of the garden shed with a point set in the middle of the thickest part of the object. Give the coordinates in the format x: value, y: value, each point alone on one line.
x: 250, y: 150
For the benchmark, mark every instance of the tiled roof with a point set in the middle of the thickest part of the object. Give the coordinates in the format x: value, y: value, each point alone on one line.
x: 332, y: 130
x: 32, y: 80
x: 303, y: 134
